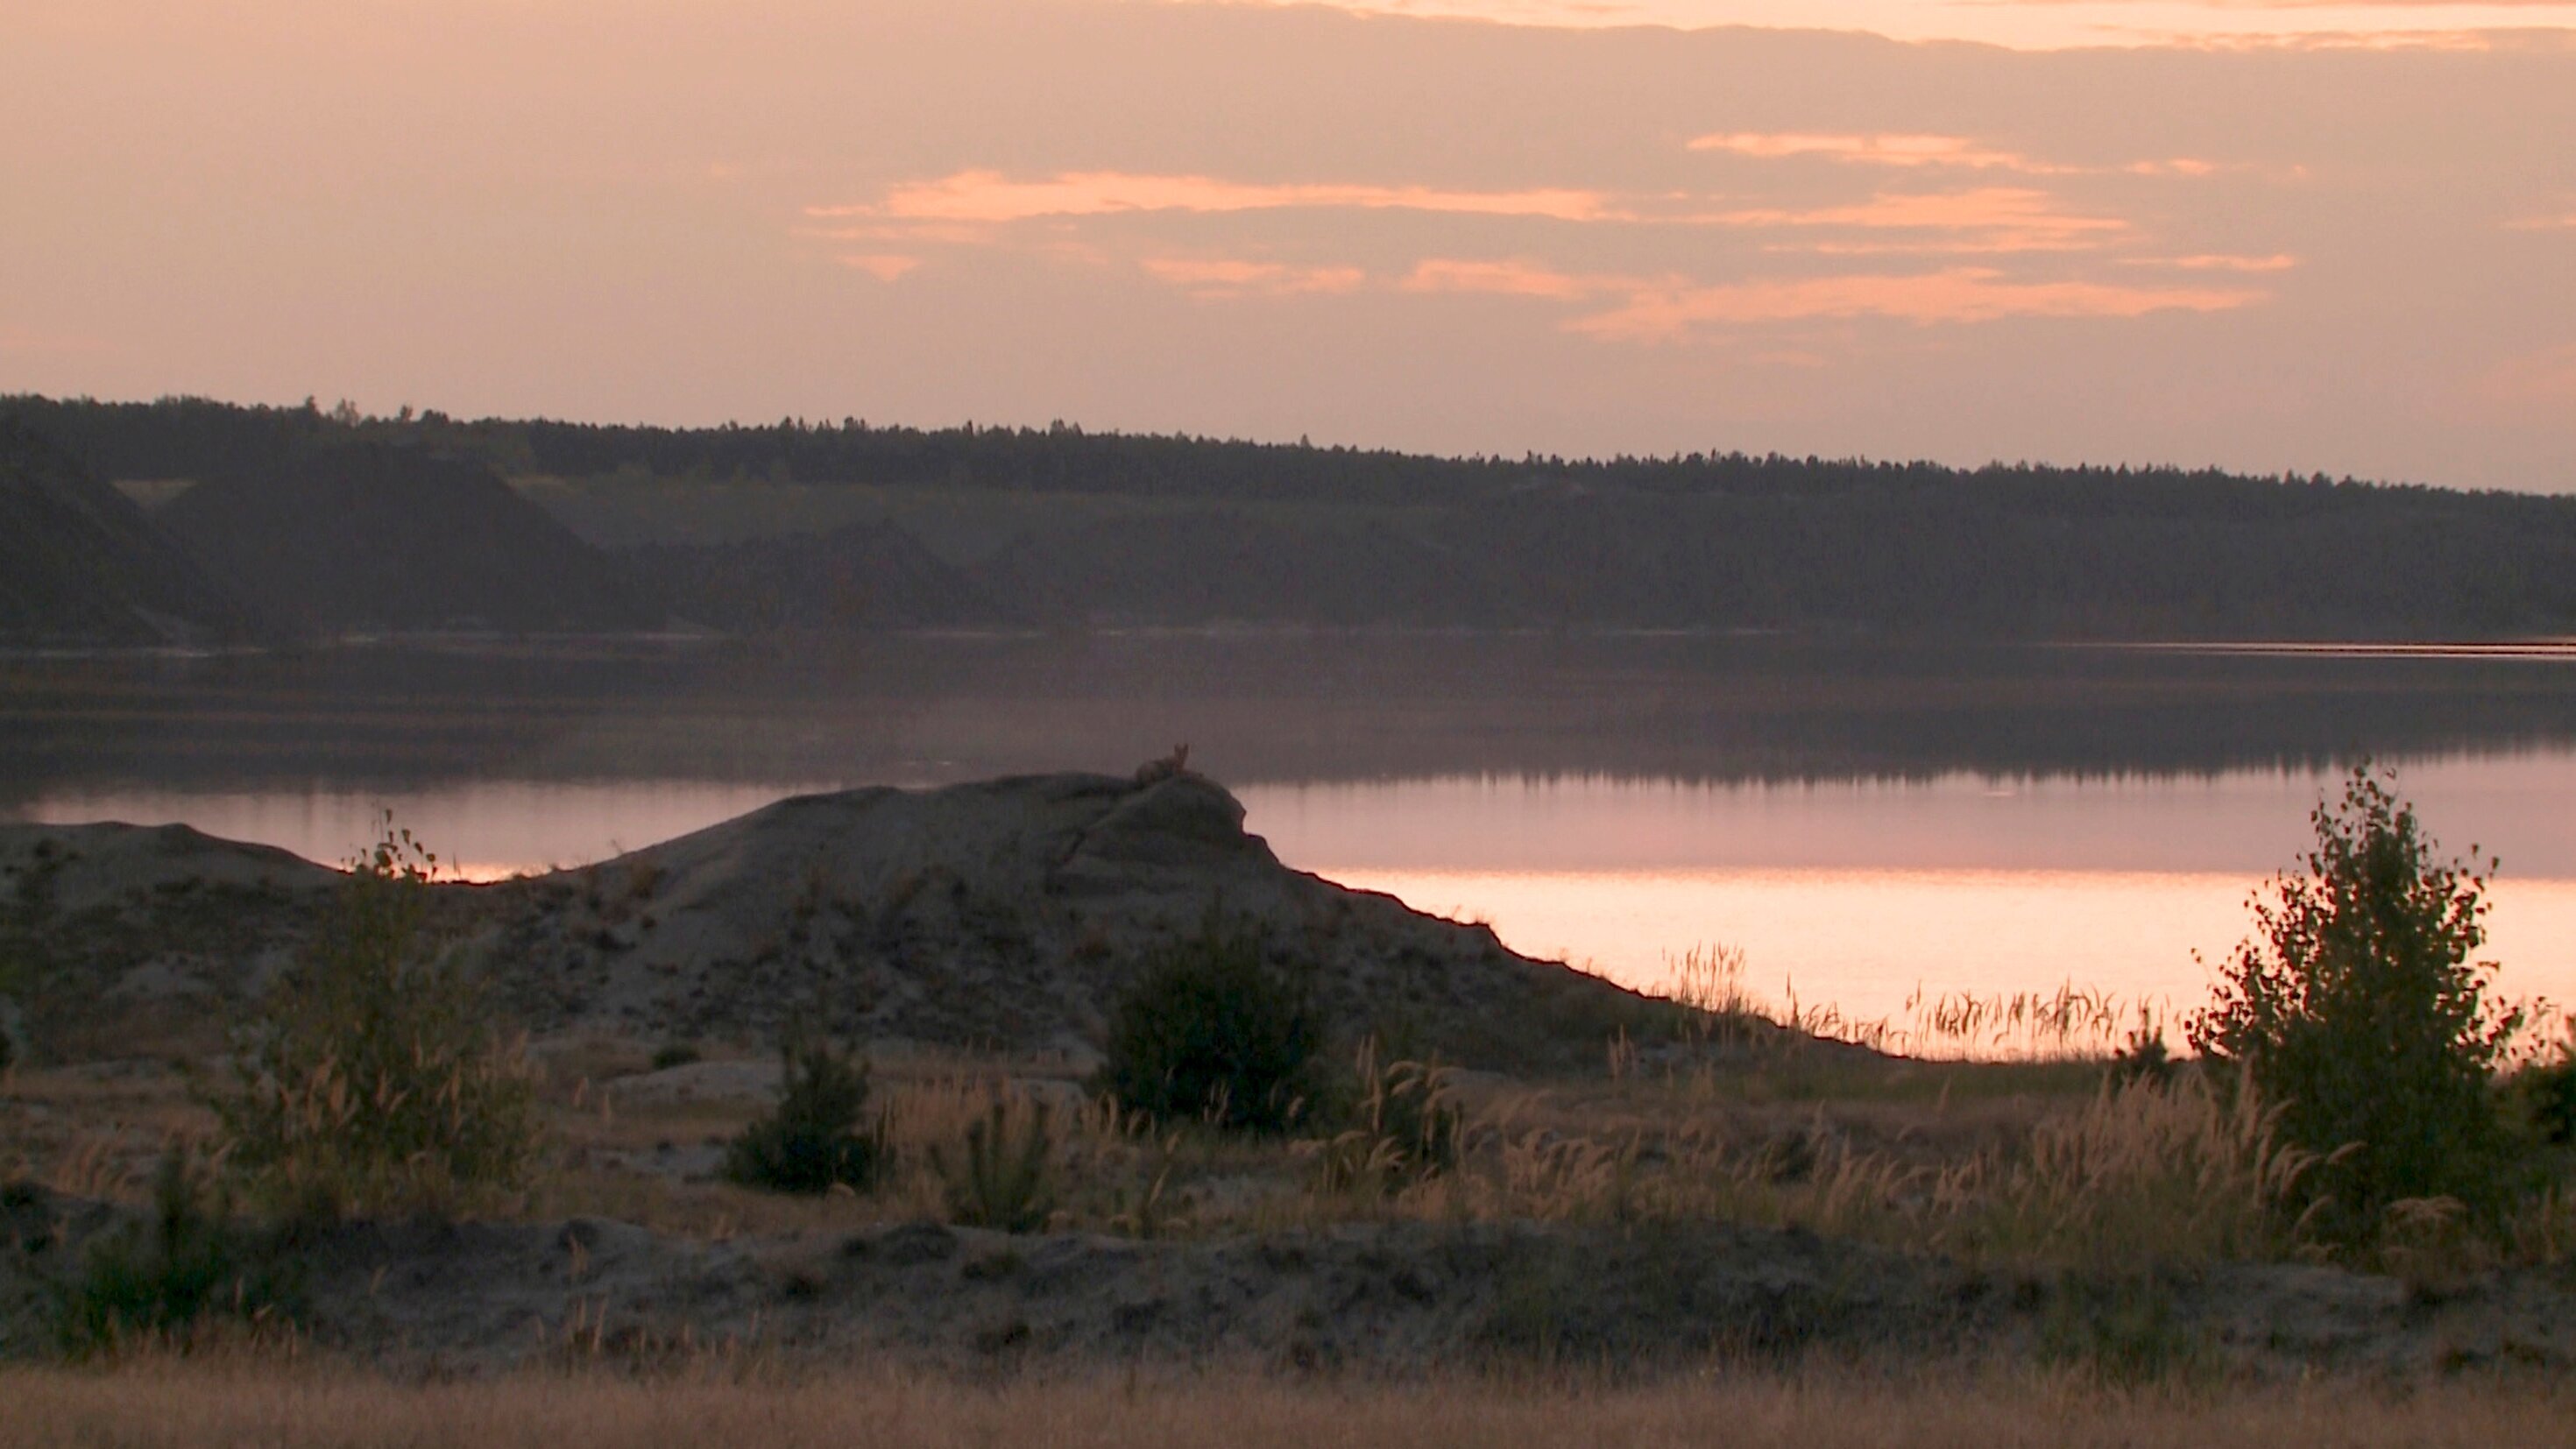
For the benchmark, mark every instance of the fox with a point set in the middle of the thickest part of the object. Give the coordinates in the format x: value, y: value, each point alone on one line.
x: 1175, y: 763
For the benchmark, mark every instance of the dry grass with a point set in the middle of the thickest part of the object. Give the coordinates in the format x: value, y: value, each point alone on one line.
x: 2130, y: 1176
x: 2009, y: 1164
x: 306, y: 1407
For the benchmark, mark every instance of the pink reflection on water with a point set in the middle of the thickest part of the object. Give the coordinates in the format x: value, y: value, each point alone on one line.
x: 1872, y: 943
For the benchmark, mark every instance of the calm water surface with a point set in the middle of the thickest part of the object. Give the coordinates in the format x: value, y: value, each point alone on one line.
x: 1868, y: 832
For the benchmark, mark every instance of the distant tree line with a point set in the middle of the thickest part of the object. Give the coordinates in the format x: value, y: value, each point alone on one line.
x: 1703, y: 540
x: 181, y: 437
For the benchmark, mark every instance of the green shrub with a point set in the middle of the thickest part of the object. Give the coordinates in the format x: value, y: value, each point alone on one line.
x: 1213, y: 1030
x: 2143, y: 1057
x: 1005, y: 1178
x: 811, y: 1142
x: 374, y: 1077
x: 2544, y: 1091
x: 674, y: 1054
x: 2357, y: 1010
x: 162, y: 1278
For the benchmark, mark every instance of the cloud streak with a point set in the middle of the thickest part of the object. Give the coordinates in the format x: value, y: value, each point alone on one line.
x: 972, y: 207
x: 1672, y: 308
x: 992, y: 198
x: 1221, y: 278
x: 884, y: 266
x: 1960, y: 295
x: 2041, y: 24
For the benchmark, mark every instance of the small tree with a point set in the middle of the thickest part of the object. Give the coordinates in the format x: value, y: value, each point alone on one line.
x: 1211, y: 1029
x: 811, y: 1142
x: 375, y: 1075
x: 2355, y: 1007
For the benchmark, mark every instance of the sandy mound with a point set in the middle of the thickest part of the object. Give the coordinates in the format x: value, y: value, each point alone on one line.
x: 1000, y: 914
x: 1003, y: 913
x: 124, y: 936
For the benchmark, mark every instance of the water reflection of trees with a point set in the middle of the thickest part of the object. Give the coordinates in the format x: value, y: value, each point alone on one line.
x: 1257, y: 709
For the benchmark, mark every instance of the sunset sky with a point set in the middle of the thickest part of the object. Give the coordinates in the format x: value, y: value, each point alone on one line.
x: 2263, y: 234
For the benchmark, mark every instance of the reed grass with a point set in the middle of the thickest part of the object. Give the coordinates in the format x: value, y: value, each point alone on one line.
x: 1710, y: 983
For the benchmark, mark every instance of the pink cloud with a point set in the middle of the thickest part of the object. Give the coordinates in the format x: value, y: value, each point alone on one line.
x: 1508, y: 279
x: 990, y: 197
x: 2219, y: 262
x: 1670, y: 308
x: 1960, y: 295
x: 1227, y: 277
x: 884, y: 266
x: 1923, y: 152
x: 1987, y: 219
x: 1873, y: 150
x: 981, y: 207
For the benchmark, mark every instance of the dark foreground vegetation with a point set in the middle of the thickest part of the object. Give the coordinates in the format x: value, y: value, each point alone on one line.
x: 841, y: 525
x: 2365, y: 1170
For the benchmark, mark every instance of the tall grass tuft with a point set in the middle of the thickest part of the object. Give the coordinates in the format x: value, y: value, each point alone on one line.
x: 1003, y: 1177
x: 2146, y: 1173
x: 160, y: 1280
x: 1404, y: 1126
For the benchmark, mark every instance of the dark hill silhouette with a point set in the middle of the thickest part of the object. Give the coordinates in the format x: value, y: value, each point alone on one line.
x: 386, y: 536
x: 81, y: 565
x: 1071, y: 527
x: 860, y: 576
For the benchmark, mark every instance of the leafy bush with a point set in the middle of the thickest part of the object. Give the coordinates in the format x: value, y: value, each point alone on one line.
x: 1213, y: 1030
x: 674, y: 1054
x: 162, y: 1278
x: 2356, y: 1009
x: 374, y: 1077
x: 2142, y: 1057
x: 1005, y: 1178
x: 811, y: 1142
x: 2545, y: 1092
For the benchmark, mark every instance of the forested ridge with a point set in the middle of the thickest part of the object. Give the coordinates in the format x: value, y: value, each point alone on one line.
x: 1211, y: 530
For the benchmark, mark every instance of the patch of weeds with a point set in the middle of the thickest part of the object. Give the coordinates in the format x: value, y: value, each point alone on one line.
x: 1547, y: 1306
x: 1005, y: 1177
x: 162, y: 1279
x: 993, y: 1267
x: 675, y: 1054
x: 1213, y: 1029
x: 2125, y: 1332
x: 811, y: 1142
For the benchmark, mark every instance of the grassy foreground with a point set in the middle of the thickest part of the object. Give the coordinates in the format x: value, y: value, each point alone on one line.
x: 292, y: 1407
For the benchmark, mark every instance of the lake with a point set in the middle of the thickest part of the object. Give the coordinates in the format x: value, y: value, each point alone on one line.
x: 1872, y: 827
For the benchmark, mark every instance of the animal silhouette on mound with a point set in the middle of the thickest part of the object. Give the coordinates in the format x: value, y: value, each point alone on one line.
x: 1155, y: 771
